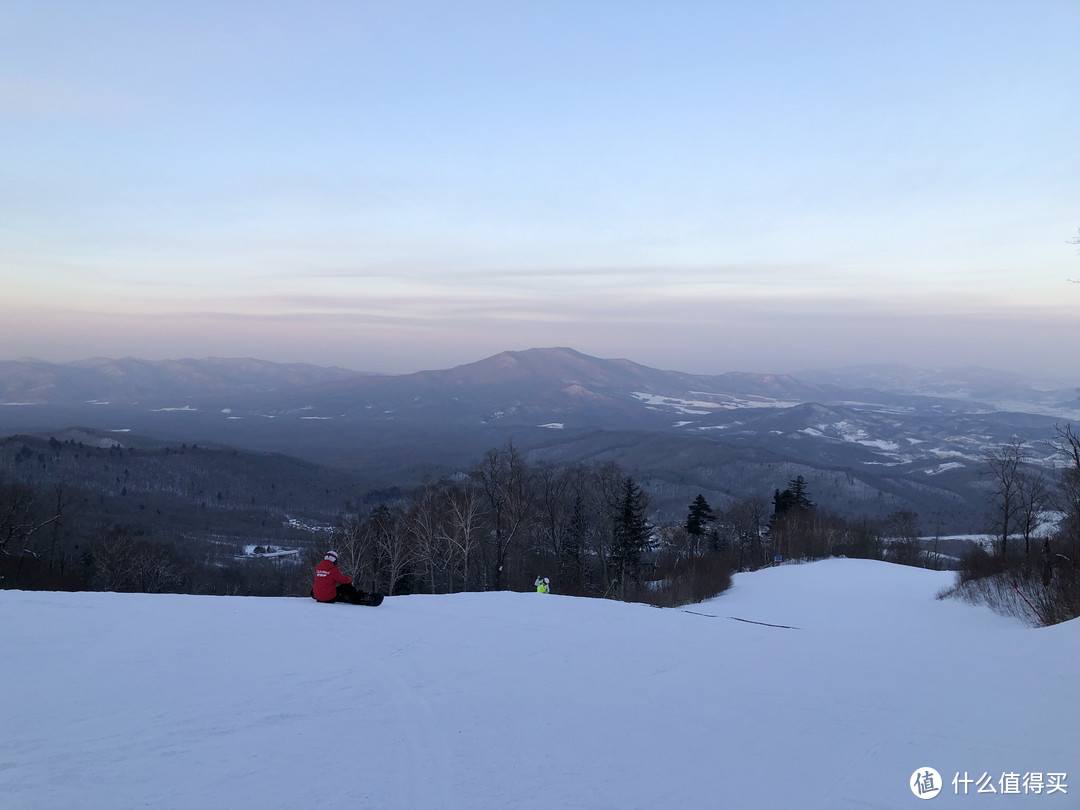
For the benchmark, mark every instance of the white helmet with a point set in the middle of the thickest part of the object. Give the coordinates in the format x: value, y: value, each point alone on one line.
x: 331, y: 556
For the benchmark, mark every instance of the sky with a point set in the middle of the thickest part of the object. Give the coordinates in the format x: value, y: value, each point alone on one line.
x: 393, y: 186
x: 819, y: 686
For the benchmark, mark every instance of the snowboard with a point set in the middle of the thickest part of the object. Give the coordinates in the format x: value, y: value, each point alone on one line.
x: 370, y: 600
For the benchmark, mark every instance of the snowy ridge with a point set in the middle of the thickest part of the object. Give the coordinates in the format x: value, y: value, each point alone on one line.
x: 499, y: 700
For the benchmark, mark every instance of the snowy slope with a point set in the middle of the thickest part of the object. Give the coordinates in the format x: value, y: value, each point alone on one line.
x: 506, y: 700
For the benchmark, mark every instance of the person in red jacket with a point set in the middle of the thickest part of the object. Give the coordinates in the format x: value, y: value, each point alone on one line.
x: 331, y: 585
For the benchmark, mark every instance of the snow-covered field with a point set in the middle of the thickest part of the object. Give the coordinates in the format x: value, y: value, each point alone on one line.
x: 506, y: 700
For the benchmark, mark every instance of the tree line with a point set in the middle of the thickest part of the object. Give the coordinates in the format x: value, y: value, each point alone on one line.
x: 588, y: 527
x: 585, y: 527
x: 1034, y: 514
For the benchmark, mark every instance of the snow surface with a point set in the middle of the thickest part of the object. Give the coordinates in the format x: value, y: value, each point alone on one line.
x: 949, y: 465
x: 509, y: 700
x: 715, y: 402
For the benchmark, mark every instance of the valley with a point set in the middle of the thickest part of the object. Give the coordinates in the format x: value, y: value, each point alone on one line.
x: 917, y: 443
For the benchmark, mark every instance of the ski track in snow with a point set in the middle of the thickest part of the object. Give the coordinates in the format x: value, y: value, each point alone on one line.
x: 507, y: 700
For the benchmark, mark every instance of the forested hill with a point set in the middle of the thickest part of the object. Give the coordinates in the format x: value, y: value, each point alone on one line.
x: 206, y: 502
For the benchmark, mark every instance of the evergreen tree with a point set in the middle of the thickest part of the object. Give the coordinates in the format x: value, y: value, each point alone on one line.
x: 631, y: 535
x: 798, y: 492
x: 572, y: 571
x: 794, y: 497
x: 699, y: 518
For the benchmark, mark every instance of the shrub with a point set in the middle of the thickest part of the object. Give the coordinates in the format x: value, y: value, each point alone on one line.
x: 1018, y: 589
x: 689, y: 581
x: 978, y: 563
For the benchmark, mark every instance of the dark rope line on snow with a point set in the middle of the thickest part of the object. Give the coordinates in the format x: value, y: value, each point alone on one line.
x: 766, y: 624
x: 737, y: 619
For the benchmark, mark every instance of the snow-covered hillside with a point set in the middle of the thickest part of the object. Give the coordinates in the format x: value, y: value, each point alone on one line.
x: 506, y: 700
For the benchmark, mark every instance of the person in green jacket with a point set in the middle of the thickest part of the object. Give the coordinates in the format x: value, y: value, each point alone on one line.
x: 543, y: 585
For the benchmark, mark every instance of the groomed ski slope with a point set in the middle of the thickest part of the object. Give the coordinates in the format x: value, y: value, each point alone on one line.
x: 507, y: 700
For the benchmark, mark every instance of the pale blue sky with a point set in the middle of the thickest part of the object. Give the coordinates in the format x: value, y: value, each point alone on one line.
x: 707, y: 186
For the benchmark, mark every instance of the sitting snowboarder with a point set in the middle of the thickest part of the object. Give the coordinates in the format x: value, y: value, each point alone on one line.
x: 333, y: 586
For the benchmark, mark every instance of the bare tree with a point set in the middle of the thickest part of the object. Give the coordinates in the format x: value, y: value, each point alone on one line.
x: 902, y: 529
x: 574, y: 575
x: 554, y: 507
x: 23, y: 516
x: 1032, y: 500
x: 158, y: 569
x: 464, y: 508
x: 506, y: 481
x: 604, y: 490
x: 126, y: 564
x: 1066, y: 442
x: 748, y: 519
x: 1005, y: 467
x: 354, y: 541
x: 429, y: 538
x: 395, y: 552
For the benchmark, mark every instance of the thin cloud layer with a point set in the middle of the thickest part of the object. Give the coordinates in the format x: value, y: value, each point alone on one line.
x: 703, y: 187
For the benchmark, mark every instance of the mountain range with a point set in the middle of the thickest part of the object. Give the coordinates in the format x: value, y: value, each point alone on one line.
x: 869, y: 440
